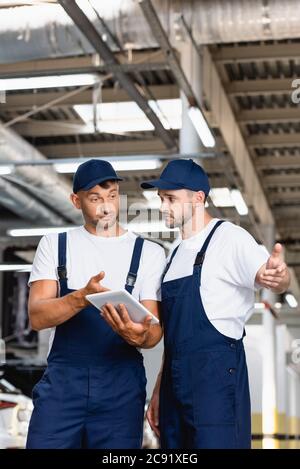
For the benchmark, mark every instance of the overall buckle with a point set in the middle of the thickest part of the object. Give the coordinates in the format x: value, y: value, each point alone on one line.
x: 131, y: 279
x: 62, y: 272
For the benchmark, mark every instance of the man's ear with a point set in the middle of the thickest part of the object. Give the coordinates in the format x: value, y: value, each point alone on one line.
x: 200, y: 197
x: 75, y: 200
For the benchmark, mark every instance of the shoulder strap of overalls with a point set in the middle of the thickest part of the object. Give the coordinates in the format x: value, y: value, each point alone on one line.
x: 62, y: 260
x: 135, y: 263
x: 170, y: 262
x: 201, y: 254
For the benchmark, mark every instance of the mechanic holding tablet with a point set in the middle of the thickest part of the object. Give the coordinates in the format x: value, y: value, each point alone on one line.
x: 201, y: 399
x: 92, y: 394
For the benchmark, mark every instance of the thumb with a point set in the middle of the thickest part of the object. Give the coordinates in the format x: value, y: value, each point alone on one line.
x: 277, y: 250
x: 275, y: 256
x: 147, y: 321
x: 99, y: 276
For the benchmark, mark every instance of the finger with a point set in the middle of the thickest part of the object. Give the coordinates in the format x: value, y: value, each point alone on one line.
x: 151, y: 420
x: 272, y: 278
x: 282, y: 267
x: 109, y: 321
x: 99, y: 276
x: 114, y: 315
x: 124, y: 314
x: 270, y: 272
x: 108, y: 318
x: 271, y: 284
x: 147, y: 322
x: 156, y: 415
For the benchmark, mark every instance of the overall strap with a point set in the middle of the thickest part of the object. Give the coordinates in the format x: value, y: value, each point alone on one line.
x: 62, y: 261
x: 201, y: 254
x: 134, y: 266
x: 169, y: 263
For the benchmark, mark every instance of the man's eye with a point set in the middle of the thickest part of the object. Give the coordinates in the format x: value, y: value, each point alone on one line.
x: 94, y: 200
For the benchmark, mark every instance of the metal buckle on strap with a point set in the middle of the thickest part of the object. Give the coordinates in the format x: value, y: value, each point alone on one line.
x: 62, y: 272
x: 131, y: 279
x: 199, y: 259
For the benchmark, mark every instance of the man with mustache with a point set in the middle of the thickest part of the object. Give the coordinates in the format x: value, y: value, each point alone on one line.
x: 201, y: 398
x: 92, y: 394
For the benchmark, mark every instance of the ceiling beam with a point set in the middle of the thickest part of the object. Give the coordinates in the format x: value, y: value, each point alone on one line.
x: 219, y: 105
x: 274, y: 140
x: 293, y: 258
x: 253, y: 87
x: 95, y: 149
x: 277, y: 162
x: 36, y: 128
x: 20, y: 101
x: 92, y: 35
x: 285, y: 196
x: 223, y: 115
x: 289, y: 223
x: 137, y: 61
x: 161, y: 37
x: 257, y: 53
x: 262, y: 116
x: 284, y: 212
x: 283, y: 180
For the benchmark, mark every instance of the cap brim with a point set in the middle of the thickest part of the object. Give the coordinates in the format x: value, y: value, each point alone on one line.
x: 160, y: 184
x: 95, y: 182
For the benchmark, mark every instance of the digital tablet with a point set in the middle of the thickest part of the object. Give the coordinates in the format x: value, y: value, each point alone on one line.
x: 136, y: 310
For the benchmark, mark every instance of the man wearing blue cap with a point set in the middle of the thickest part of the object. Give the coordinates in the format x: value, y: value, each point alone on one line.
x: 92, y: 394
x: 201, y: 398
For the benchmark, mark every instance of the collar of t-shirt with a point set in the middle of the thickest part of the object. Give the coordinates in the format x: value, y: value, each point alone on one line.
x: 107, y: 239
x: 196, y: 241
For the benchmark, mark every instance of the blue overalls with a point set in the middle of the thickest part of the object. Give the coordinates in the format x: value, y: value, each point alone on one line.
x: 204, y: 395
x: 92, y: 394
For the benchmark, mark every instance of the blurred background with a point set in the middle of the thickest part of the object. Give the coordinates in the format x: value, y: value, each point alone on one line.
x: 138, y: 83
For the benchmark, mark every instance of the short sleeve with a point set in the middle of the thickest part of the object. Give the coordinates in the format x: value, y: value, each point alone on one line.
x: 153, y: 268
x: 246, y: 258
x: 44, y: 265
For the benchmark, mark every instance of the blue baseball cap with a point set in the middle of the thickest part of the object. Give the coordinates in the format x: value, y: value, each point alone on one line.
x: 181, y: 174
x: 93, y: 172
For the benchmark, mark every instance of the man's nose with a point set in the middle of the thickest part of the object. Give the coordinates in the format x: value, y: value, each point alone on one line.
x: 164, y: 207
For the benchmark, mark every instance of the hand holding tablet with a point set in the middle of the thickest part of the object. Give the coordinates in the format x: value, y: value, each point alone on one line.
x: 136, y: 310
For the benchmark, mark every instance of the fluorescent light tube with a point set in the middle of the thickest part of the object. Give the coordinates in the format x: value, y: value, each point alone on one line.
x: 120, y: 165
x: 5, y: 170
x: 201, y: 127
x: 18, y: 232
x: 135, y: 165
x: 221, y: 197
x: 54, y: 81
x: 120, y: 117
x: 239, y: 202
x: 15, y: 267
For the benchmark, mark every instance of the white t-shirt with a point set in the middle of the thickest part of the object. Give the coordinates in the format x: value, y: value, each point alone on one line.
x: 88, y: 255
x: 228, y: 274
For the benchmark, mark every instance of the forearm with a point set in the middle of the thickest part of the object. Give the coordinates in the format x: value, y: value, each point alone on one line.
x: 55, y: 311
